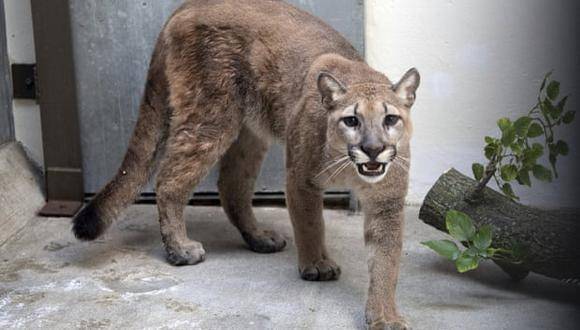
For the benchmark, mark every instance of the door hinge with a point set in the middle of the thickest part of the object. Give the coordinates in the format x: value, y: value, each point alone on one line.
x: 24, y: 81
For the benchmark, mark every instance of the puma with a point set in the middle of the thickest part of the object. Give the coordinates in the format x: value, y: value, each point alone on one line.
x: 226, y: 78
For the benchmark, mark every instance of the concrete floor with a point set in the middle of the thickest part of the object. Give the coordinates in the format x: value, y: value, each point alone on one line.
x: 49, y: 280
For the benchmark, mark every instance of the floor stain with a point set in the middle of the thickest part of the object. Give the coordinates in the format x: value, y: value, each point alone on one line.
x: 97, y: 255
x: 492, y: 297
x: 180, y: 306
x: 135, y: 228
x: 9, y: 270
x: 26, y: 298
x: 3, y: 293
x: 450, y: 306
x: 94, y: 324
x: 239, y: 321
x: 137, y: 282
x: 56, y: 246
x: 108, y: 299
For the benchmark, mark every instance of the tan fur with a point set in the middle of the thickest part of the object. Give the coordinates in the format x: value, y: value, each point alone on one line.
x: 226, y: 78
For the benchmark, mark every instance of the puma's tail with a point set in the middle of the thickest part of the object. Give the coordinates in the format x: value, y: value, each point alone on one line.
x: 138, y: 165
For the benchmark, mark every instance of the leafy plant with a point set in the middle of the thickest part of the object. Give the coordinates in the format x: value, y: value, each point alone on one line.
x: 514, y: 157
x: 477, y: 243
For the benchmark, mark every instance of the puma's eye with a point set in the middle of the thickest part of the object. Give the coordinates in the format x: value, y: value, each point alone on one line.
x: 391, y: 120
x: 351, y: 121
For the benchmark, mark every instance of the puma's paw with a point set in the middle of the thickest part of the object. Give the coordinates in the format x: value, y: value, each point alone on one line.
x: 399, y: 324
x: 321, y: 270
x: 186, y: 254
x: 265, y: 241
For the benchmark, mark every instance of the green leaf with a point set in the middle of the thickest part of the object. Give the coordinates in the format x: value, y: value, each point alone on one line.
x: 459, y: 225
x: 524, y: 178
x: 521, y: 125
x: 477, y: 171
x: 489, y: 140
x: 535, y: 130
x: 541, y: 173
x: 484, y: 254
x: 482, y: 239
x: 472, y: 251
x: 466, y: 263
x: 509, y: 172
x: 531, y: 155
x: 537, y: 150
x: 444, y: 248
x: 491, y: 150
x: 562, y: 148
x: 560, y: 107
x: 553, y: 90
x: 508, y: 191
x: 504, y: 123
x: 508, y: 137
x: 548, y: 108
x: 490, y: 253
x: 562, y: 103
x: 516, y: 148
x: 569, y: 117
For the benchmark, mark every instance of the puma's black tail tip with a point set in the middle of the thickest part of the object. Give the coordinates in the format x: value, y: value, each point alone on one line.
x: 88, y: 224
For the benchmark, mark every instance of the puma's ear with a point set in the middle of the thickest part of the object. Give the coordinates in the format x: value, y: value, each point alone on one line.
x: 330, y: 88
x: 407, y: 86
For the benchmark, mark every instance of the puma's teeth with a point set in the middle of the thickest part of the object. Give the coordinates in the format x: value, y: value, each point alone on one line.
x: 371, y: 170
x: 378, y: 169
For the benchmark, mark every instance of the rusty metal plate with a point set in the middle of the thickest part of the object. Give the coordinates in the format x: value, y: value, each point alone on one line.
x: 60, y: 209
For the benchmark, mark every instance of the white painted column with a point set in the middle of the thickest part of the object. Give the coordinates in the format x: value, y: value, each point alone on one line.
x: 20, y: 41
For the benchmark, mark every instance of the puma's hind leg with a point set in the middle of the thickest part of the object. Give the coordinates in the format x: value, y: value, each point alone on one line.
x: 239, y: 169
x: 194, y: 146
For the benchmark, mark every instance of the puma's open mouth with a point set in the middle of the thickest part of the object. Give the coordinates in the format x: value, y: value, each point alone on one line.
x: 371, y: 168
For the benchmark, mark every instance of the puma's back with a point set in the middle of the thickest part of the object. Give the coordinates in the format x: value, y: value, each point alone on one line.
x: 268, y: 44
x: 291, y: 35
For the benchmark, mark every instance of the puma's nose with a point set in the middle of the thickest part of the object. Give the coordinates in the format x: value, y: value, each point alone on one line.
x: 373, y: 151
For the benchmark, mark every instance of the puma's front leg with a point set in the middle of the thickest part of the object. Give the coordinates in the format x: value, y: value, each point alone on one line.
x: 383, y: 239
x: 305, y: 204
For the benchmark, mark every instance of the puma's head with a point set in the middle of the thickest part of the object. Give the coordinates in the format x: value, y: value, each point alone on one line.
x: 368, y: 122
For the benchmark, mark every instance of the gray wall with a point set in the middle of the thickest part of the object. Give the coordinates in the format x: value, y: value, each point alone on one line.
x: 6, y: 124
x: 113, y: 41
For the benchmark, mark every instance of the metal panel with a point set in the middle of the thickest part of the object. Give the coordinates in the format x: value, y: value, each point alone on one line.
x: 113, y: 41
x: 6, y: 123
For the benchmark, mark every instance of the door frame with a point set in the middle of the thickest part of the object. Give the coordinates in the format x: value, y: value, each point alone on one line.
x: 57, y: 99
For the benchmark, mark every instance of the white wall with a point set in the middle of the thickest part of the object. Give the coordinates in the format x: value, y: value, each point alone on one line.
x: 21, y: 50
x: 479, y: 60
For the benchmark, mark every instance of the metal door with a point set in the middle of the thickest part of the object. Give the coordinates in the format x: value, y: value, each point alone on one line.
x: 6, y: 128
x: 113, y: 41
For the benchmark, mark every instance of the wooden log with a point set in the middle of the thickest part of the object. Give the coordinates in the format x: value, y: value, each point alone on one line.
x: 551, y: 239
